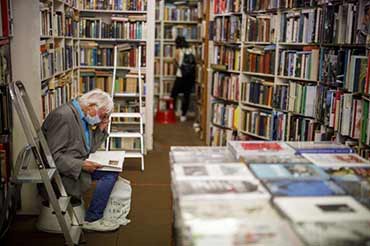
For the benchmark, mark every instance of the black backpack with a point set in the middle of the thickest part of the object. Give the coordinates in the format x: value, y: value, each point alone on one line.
x: 188, y: 65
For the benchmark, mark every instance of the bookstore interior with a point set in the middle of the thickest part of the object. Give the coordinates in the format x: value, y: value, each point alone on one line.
x: 271, y: 97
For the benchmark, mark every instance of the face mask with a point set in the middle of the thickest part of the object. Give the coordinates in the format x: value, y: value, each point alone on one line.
x: 92, y: 120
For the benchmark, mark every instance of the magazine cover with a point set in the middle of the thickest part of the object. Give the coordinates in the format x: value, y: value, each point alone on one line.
x: 291, y: 187
x: 205, y: 189
x: 337, y: 160
x: 319, y: 147
x: 212, y: 171
x: 322, y: 209
x: 288, y: 171
x: 244, y: 148
x: 273, y: 159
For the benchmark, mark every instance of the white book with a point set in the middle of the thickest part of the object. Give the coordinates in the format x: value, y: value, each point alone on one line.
x: 212, y: 171
x: 326, y: 209
x: 242, y: 148
x: 346, y: 114
x: 337, y: 160
x: 110, y: 160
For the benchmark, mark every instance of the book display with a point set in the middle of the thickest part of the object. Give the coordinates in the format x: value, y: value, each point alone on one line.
x: 302, y: 69
x: 218, y: 202
x: 77, y: 40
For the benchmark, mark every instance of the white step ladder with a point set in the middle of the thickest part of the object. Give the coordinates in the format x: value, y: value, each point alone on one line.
x: 128, y: 115
x: 38, y: 151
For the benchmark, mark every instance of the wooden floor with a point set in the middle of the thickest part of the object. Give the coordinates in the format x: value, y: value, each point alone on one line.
x: 151, y: 207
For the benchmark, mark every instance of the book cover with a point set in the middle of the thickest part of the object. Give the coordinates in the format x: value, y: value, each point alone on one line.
x: 295, y: 187
x: 322, y: 209
x: 110, y: 160
x: 273, y: 159
x: 215, y: 189
x: 288, y: 171
x: 319, y: 147
x: 334, y: 233
x: 180, y: 154
x: 337, y: 160
x: 241, y: 148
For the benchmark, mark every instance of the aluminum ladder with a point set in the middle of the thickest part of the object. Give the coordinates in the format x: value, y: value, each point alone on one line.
x: 128, y: 115
x: 37, y: 151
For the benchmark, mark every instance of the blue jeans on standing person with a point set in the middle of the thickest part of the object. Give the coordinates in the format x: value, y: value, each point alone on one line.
x: 104, y: 186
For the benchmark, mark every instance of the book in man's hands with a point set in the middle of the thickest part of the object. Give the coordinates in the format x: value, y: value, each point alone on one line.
x: 110, y: 160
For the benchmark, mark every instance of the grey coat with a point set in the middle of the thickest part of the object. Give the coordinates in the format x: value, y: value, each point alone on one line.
x: 66, y: 139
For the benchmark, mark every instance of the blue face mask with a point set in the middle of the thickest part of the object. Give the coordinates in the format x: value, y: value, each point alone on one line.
x: 92, y: 120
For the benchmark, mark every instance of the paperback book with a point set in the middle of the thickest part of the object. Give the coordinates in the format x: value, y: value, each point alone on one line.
x: 288, y: 171
x: 322, y: 209
x: 110, y: 160
x: 243, y: 148
x: 221, y: 188
x: 319, y: 147
x: 212, y: 171
x: 337, y: 160
x: 294, y: 187
x: 336, y: 233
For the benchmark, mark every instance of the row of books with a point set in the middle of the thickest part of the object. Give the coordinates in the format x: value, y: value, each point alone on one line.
x: 300, y: 64
x: 180, y: 13
x: 225, y: 86
x: 229, y: 56
x: 120, y: 27
x: 125, y: 144
x: 260, y: 60
x: 190, y: 32
x: 226, y: 6
x: 304, y: 129
x: 256, y: 122
x: 5, y: 110
x: 220, y: 136
x: 224, y: 115
x: 54, y: 58
x: 261, y: 28
x: 257, y: 91
x: 302, y: 99
x: 123, y: 5
x: 94, y: 54
x: 227, y: 29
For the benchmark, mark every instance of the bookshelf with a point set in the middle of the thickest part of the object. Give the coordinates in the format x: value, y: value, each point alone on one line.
x: 186, y: 18
x: 302, y: 73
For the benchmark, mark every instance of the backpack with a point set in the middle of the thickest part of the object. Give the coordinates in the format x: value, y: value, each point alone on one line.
x: 188, y: 65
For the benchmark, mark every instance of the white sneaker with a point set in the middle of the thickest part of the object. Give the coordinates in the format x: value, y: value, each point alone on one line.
x: 100, y: 225
x: 182, y: 118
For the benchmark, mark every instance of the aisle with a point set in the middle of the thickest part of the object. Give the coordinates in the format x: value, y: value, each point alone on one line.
x: 151, y: 211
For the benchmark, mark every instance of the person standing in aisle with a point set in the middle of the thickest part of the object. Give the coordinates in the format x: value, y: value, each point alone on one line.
x: 73, y: 131
x: 185, y: 74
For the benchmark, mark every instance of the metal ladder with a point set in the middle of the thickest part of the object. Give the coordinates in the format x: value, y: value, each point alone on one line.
x: 46, y: 171
x: 128, y: 115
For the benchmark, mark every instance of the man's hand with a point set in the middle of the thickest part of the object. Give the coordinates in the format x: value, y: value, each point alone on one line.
x: 103, y: 125
x: 90, y: 166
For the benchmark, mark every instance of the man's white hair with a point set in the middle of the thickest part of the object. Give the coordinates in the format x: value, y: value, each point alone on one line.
x: 98, y: 97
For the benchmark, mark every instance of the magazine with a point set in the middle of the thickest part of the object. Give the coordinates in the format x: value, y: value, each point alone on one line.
x: 337, y: 160
x: 322, y: 209
x: 288, y: 171
x: 244, y: 148
x: 291, y: 187
x: 110, y: 160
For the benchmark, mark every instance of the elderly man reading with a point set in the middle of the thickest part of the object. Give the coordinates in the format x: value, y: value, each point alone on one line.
x: 71, y: 138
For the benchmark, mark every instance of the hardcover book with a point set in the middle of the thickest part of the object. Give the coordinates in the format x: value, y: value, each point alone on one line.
x: 273, y: 159
x: 337, y: 160
x: 291, y: 187
x: 319, y: 147
x: 322, y: 209
x: 288, y: 171
x: 243, y: 148
x: 200, y: 155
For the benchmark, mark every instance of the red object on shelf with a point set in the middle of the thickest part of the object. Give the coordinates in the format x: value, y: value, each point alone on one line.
x: 165, y: 111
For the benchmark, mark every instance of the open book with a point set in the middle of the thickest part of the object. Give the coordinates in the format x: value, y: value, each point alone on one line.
x: 110, y: 160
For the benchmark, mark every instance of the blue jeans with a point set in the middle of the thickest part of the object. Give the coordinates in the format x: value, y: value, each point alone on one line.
x: 104, y: 186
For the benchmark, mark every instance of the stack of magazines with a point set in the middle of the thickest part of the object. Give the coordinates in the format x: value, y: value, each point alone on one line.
x: 270, y: 193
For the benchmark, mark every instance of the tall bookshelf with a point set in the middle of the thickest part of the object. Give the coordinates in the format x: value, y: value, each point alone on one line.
x: 300, y: 77
x: 185, y: 18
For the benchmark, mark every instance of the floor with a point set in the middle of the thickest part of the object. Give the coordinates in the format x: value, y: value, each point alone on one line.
x: 151, y: 207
